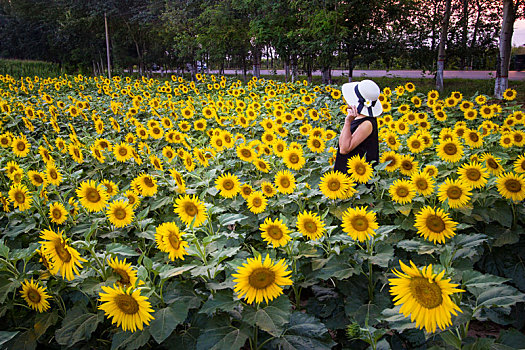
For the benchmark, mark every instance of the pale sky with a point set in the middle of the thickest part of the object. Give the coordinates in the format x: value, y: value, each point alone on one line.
x: 518, y: 38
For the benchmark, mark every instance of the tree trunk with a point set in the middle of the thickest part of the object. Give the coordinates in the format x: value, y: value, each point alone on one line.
x: 441, y: 49
x: 505, y: 39
x: 350, y: 68
x: 327, y: 76
x: 286, y: 70
x: 256, y: 56
x: 475, y: 35
x: 294, y: 68
x: 464, y: 34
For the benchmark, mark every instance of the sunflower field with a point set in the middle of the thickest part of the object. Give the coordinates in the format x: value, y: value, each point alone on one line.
x: 143, y: 213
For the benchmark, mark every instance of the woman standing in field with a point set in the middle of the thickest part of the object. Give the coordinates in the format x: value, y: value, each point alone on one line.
x: 359, y: 135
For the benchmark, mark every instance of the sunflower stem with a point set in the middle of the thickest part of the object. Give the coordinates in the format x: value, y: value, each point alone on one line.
x: 369, y: 251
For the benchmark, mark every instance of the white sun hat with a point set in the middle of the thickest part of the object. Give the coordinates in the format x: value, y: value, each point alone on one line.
x: 363, y: 95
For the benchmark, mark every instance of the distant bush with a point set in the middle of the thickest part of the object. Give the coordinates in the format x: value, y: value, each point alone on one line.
x: 23, y: 68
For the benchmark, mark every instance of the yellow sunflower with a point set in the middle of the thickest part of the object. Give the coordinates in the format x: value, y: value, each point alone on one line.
x: 407, y: 164
x: 285, y: 181
x: 335, y: 184
x: 57, y: 213
x: 63, y: 258
x: 359, y: 223
x: 310, y: 225
x: 402, y: 191
x: 93, y: 197
x: 181, y: 184
x: 492, y: 163
x: 294, y: 159
x: 111, y: 187
x: 127, y: 308
x: 415, y: 143
x: 473, y: 174
x: 245, y: 153
x: 128, y: 276
x: 256, y: 280
x: 256, y: 202
x: 359, y: 169
x: 268, y: 189
x: 133, y: 198
x: 519, y: 164
x: 20, y: 146
x: 122, y: 152
x: 275, y: 232
x: 169, y: 240
x: 456, y: 192
x: 425, y: 296
x: 423, y: 183
x: 511, y: 186
x: 37, y: 178
x: 228, y: 185
x: 120, y: 213
x: 435, y: 225
x: 20, y: 196
x: 35, y: 295
x: 191, y: 210
x: 393, y: 160
x: 450, y: 151
x: 316, y: 144
x: 147, y: 185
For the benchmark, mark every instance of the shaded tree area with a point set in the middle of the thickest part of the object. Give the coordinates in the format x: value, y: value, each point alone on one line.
x: 298, y: 35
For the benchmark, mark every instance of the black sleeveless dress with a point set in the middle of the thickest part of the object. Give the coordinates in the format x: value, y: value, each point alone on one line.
x: 369, y: 148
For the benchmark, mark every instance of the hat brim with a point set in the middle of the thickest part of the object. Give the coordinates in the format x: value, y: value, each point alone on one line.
x: 348, y: 90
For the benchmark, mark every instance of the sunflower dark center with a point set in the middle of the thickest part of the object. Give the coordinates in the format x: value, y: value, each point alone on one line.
x: 228, y: 184
x: 280, y: 148
x: 61, y: 251
x: 190, y: 209
x: 450, y: 149
x: 275, y: 232
x: 310, y: 226
x: 294, y: 158
x: 127, y: 304
x: 122, y: 151
x: 360, y: 169
x: 257, y: 202
x: 473, y: 137
x: 261, y: 278
x: 513, y: 185
x: 34, y: 295
x: 246, y: 153
x: 316, y: 144
x: 416, y: 144
x: 124, y: 277
x: 92, y: 195
x: 454, y: 192
x: 334, y: 185
x: 120, y: 213
x: 148, y: 182
x: 285, y: 182
x: 20, y: 197
x: 427, y: 294
x: 174, y: 240
x: 360, y: 223
x: 402, y: 191
x: 518, y: 138
x: 390, y: 160
x: 435, y: 223
x: 53, y: 174
x: 21, y: 146
x: 473, y: 174
x: 38, y: 179
x: 492, y: 164
x: 422, y: 184
x: 56, y: 213
x: 407, y: 165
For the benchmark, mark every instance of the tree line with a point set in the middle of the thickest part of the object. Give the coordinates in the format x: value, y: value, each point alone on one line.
x: 302, y: 35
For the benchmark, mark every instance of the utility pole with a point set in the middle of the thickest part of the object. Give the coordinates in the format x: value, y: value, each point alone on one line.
x: 107, y: 45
